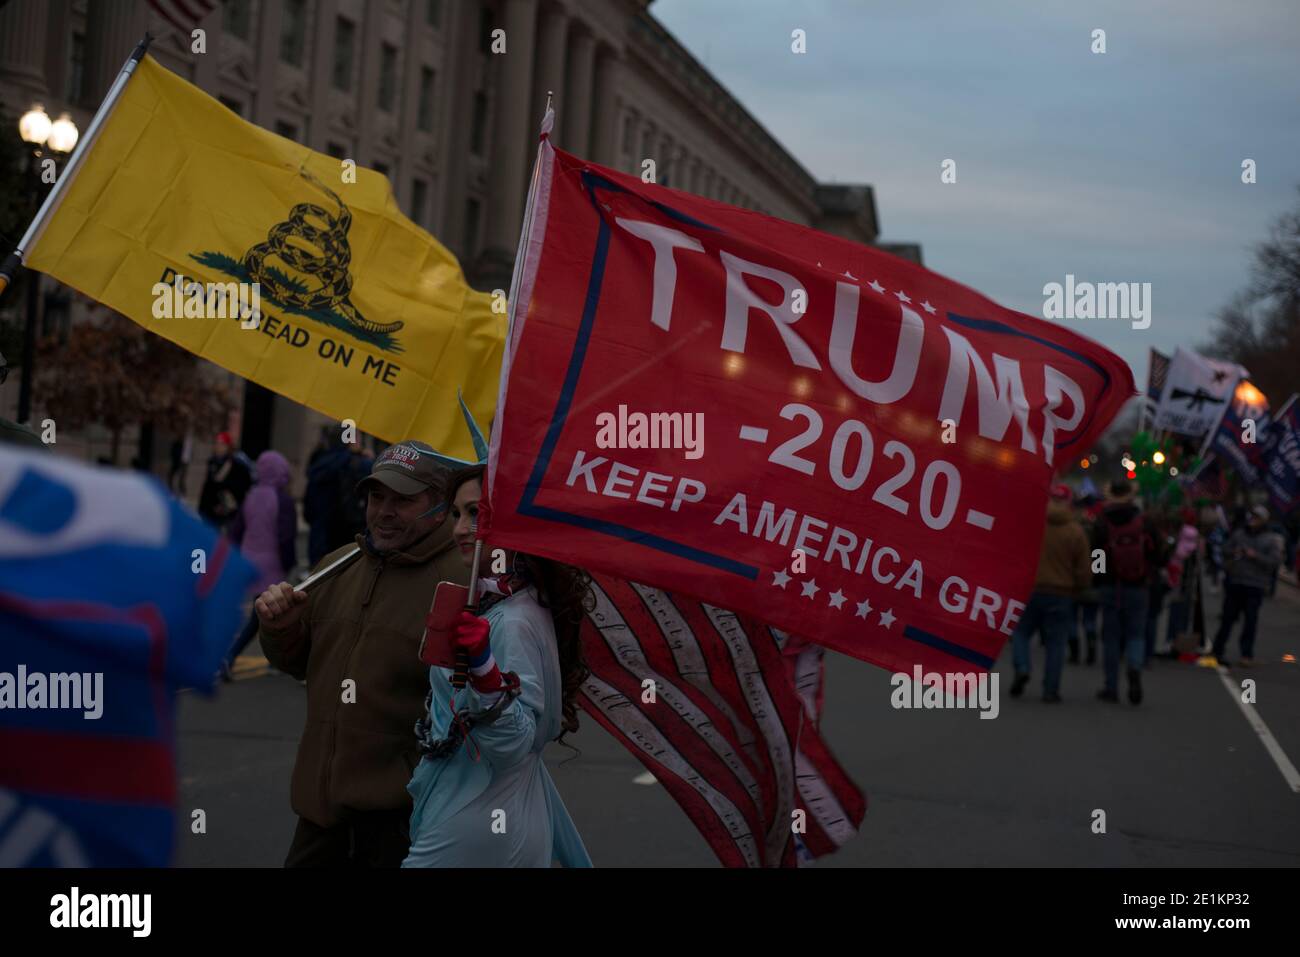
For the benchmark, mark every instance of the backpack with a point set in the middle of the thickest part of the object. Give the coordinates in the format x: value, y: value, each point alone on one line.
x: 1128, y: 550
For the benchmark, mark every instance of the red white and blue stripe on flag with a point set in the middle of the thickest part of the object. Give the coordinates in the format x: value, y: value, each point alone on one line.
x: 731, y: 728
x: 101, y: 572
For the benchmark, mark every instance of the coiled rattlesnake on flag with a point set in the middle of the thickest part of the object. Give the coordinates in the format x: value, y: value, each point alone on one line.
x: 329, y: 267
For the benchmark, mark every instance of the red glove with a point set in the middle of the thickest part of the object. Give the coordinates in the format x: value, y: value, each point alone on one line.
x: 472, y: 637
x: 471, y: 634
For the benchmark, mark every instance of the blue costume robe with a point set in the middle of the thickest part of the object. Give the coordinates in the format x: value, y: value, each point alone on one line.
x: 502, y: 810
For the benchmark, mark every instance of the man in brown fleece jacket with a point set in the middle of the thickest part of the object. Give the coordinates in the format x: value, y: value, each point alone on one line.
x: 1063, y: 574
x: 355, y: 638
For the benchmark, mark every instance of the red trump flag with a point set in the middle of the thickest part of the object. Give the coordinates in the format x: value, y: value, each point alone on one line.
x: 774, y: 420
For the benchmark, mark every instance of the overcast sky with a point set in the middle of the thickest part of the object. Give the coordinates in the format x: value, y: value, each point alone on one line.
x: 1115, y: 167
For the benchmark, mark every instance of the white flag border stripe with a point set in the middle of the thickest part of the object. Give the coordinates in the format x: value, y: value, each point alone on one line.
x: 631, y: 651
x: 629, y: 718
x: 765, y: 713
x: 686, y: 652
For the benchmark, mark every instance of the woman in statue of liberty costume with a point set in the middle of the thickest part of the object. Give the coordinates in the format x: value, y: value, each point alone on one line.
x: 482, y: 795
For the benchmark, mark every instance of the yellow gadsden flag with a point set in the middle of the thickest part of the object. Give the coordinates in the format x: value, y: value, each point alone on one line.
x: 184, y: 217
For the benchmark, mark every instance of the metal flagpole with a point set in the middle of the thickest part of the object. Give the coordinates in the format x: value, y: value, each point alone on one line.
x: 335, y: 566
x: 15, y: 259
x: 1146, y: 396
x: 526, y: 227
x: 548, y: 120
x: 460, y: 675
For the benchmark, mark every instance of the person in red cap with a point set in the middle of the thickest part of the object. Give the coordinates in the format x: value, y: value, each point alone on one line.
x: 1063, y: 575
x: 225, y: 485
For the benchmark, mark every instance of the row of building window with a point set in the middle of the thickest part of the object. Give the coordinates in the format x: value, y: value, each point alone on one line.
x: 236, y: 20
x: 682, y: 172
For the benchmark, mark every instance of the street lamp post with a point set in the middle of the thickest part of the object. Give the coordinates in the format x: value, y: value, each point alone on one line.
x: 60, y: 136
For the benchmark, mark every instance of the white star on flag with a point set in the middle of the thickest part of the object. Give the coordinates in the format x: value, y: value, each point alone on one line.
x: 902, y: 296
x: 875, y: 284
x: 887, y: 618
x: 850, y: 275
x: 836, y: 598
x: 779, y: 578
x: 810, y: 588
x: 928, y: 308
x: 863, y: 608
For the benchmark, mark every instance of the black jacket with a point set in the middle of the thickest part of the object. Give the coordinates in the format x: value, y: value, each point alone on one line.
x: 1117, y: 515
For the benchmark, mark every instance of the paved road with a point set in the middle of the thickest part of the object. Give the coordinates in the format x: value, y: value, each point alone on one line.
x: 1184, y: 779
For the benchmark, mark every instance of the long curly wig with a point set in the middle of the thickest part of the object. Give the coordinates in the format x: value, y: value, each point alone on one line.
x: 565, y: 591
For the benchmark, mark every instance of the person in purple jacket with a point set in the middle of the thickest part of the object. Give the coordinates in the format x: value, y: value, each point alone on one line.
x: 266, y: 531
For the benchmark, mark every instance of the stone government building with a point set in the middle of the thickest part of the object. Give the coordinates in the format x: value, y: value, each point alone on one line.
x: 412, y: 89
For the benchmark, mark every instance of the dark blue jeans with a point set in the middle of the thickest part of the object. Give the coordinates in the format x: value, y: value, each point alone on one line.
x: 1052, y: 614
x: 1123, y: 628
x: 1239, y: 599
x: 1088, y: 614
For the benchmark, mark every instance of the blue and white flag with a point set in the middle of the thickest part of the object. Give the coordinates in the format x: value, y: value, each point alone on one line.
x: 1239, y: 438
x: 1282, y: 460
x: 112, y: 595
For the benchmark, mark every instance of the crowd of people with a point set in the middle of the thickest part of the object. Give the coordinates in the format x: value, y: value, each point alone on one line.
x: 1112, y: 560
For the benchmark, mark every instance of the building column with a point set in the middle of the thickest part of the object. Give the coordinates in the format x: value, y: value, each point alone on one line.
x: 510, y: 152
x: 205, y: 67
x: 22, y: 48
x: 577, y: 118
x: 453, y: 123
x: 266, y: 42
x: 607, y: 125
x: 58, y: 52
x: 112, y: 31
x: 321, y: 78
x: 553, y: 33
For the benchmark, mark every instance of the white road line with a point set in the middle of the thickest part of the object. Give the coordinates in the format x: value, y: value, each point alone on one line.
x: 1270, y: 743
x: 752, y: 433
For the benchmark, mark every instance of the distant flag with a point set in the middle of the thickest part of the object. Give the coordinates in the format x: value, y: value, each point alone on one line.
x: 726, y: 733
x: 1194, y: 391
x: 1209, y: 482
x: 1282, y: 460
x: 112, y: 595
x: 184, y: 15
x: 1239, y: 437
x: 1157, y: 373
